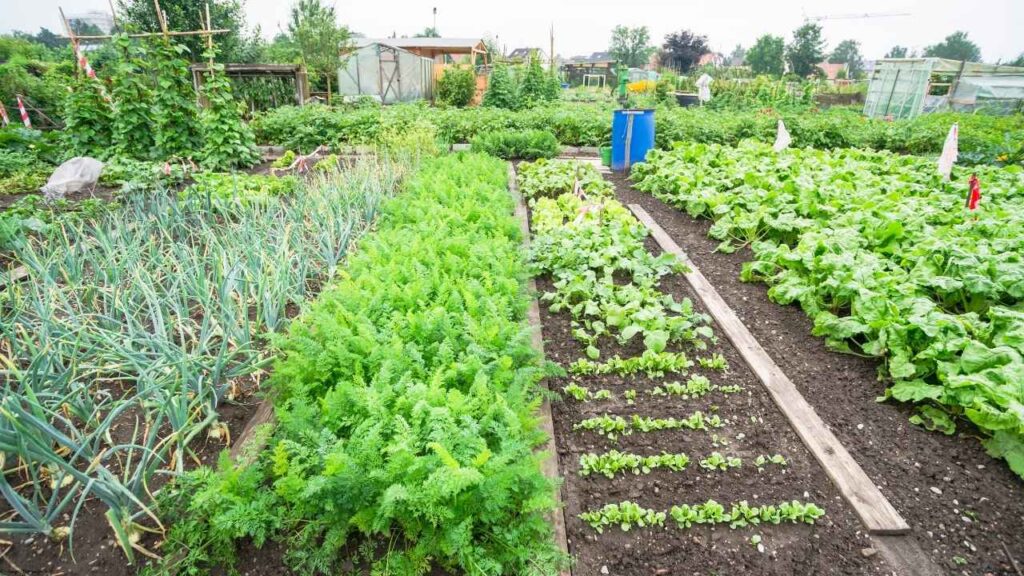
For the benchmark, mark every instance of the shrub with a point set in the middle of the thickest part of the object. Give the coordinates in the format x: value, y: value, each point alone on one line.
x: 517, y: 145
x: 456, y: 86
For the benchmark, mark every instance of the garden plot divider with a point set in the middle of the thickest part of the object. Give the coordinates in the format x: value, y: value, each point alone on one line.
x: 550, y: 465
x: 875, y: 511
x: 889, y: 531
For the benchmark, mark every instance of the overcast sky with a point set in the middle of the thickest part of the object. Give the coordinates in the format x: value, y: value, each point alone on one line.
x: 584, y: 26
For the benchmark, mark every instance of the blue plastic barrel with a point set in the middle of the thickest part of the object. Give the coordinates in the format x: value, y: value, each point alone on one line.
x: 632, y: 137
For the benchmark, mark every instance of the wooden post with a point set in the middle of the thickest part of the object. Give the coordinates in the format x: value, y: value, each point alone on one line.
x: 71, y: 35
x: 209, y: 35
x: 113, y: 13
x: 160, y: 19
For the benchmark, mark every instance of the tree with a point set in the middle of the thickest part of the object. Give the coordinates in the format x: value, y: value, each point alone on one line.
x: 1019, y: 61
x: 956, y: 46
x: 314, y: 29
x: 683, y: 49
x: 429, y: 32
x: 897, y: 51
x: 183, y: 15
x: 765, y: 56
x: 631, y: 46
x: 738, y: 56
x: 807, y: 49
x: 848, y: 52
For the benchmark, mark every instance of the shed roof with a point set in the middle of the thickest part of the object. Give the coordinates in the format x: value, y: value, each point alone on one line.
x: 466, y: 44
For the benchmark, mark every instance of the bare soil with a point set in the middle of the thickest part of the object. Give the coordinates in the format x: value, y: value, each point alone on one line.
x: 834, y: 545
x: 965, y: 508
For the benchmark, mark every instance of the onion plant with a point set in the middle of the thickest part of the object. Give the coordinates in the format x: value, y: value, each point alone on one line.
x: 116, y: 352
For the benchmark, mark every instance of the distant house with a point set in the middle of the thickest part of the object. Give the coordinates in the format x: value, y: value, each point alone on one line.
x: 713, y: 59
x: 523, y: 55
x: 832, y: 70
x: 598, y: 69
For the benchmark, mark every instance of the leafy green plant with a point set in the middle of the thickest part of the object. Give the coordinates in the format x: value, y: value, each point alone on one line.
x: 175, y: 117
x: 132, y: 94
x: 285, y: 160
x: 553, y: 178
x: 614, y: 426
x: 650, y: 363
x: 625, y: 515
x: 238, y: 187
x: 762, y: 461
x: 502, y: 91
x: 456, y: 86
x: 715, y: 461
x: 696, y: 386
x: 88, y: 119
x: 227, y: 141
x: 510, y: 145
x: 714, y: 362
x: 614, y: 462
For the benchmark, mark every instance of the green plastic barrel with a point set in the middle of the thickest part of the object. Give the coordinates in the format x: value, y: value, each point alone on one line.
x: 606, y: 155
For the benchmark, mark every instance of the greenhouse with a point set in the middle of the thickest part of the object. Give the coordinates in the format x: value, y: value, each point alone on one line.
x: 907, y: 87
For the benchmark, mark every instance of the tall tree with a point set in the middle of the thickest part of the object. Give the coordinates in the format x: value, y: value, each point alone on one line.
x: 185, y: 15
x: 956, y: 46
x: 738, y: 57
x: 897, y: 51
x: 765, y: 56
x: 1019, y: 61
x: 429, y: 32
x: 807, y: 49
x: 631, y: 46
x: 848, y: 52
x: 682, y: 50
x: 314, y: 29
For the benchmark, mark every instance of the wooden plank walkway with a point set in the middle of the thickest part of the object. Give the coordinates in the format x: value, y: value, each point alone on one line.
x: 875, y: 511
x: 550, y: 465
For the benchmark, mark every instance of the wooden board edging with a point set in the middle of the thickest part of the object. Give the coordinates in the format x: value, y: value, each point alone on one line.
x: 874, y: 510
x: 550, y: 465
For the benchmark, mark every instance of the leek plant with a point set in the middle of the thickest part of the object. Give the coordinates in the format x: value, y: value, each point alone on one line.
x: 117, y: 351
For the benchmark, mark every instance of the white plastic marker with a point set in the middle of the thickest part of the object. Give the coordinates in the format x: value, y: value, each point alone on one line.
x: 3, y: 115
x: 704, y: 88
x: 782, y: 139
x: 24, y: 114
x: 949, y: 151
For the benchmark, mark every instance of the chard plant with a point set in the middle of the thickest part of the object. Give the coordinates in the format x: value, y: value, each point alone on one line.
x: 614, y: 462
x: 627, y: 514
x: 715, y: 461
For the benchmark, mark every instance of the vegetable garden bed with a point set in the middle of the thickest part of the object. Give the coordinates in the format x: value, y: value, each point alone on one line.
x: 966, y: 509
x: 727, y: 443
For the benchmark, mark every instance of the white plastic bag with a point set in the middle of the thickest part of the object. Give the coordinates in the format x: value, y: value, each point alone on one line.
x: 74, y: 175
x: 782, y: 139
x: 704, y: 88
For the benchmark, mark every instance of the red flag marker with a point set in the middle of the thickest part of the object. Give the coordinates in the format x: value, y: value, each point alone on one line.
x: 973, y: 193
x: 24, y: 114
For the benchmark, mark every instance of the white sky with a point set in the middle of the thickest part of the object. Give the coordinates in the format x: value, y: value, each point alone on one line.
x: 584, y: 26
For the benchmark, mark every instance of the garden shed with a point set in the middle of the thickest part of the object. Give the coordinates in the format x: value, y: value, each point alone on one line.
x: 441, y: 50
x: 386, y: 72
x: 908, y: 87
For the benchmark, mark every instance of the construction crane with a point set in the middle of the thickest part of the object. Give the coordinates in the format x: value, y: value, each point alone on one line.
x: 854, y: 16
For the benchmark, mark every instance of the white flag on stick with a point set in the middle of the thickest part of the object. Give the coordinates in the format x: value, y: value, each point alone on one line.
x: 782, y: 139
x: 949, y: 151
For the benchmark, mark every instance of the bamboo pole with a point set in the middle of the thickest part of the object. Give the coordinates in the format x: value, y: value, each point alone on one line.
x: 161, y: 19
x: 209, y: 37
x: 148, y: 34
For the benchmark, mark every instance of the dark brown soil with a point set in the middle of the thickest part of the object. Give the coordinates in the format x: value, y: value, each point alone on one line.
x: 962, y: 504
x: 754, y: 427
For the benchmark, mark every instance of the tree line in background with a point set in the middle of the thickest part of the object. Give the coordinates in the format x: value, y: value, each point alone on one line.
x: 682, y: 51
